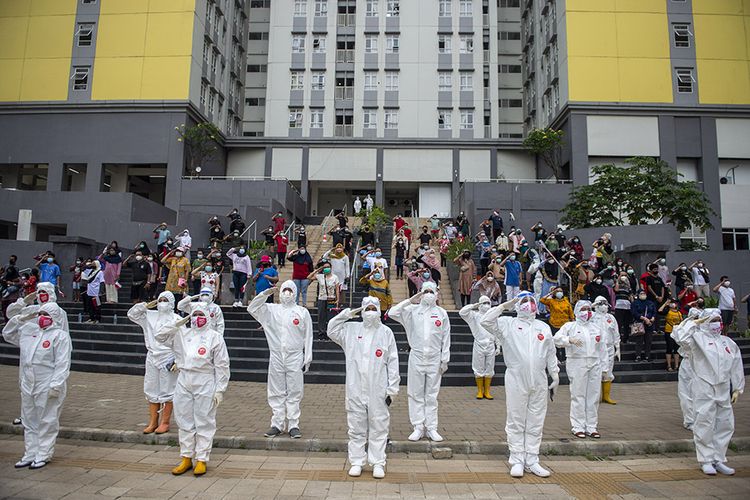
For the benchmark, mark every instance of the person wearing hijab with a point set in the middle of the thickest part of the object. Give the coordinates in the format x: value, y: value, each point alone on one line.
x: 112, y: 258
x: 489, y: 287
x: 339, y: 264
x: 44, y: 366
x: 179, y: 272
x: 719, y: 380
x: 93, y: 277
x: 483, y: 351
x: 203, y: 364
x: 550, y: 279
x: 185, y: 241
x: 372, y: 378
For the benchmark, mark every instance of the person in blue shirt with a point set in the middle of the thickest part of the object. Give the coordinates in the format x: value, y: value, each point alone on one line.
x: 266, y: 276
x: 512, y: 275
x: 49, y: 271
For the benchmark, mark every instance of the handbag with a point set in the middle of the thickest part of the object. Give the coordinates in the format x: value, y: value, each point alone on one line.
x: 181, y: 282
x: 637, y: 329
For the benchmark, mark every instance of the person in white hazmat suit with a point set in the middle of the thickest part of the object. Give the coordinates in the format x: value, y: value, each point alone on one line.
x: 428, y: 332
x: 483, y: 353
x: 203, y: 363
x: 44, y: 366
x: 528, y: 350
x: 372, y: 379
x: 608, y: 324
x: 717, y: 384
x: 685, y: 376
x: 586, y: 351
x: 206, y: 295
x: 161, y: 373
x: 289, y: 332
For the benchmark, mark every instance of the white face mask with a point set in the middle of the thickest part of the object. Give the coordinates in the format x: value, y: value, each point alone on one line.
x: 484, y: 307
x: 715, y: 327
x: 727, y: 283
x: 178, y: 254
x: 583, y: 316
x: 527, y: 309
x: 559, y: 295
x: 429, y: 299
x: 287, y: 297
x: 602, y: 308
x: 205, y: 298
x: 139, y: 258
x: 164, y: 307
x: 370, y: 318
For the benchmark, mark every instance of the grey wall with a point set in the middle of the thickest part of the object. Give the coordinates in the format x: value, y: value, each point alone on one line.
x: 25, y: 250
x: 662, y: 235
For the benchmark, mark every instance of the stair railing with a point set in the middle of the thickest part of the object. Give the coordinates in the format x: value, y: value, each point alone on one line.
x: 289, y: 233
x: 254, y: 226
x: 561, y: 269
x: 354, y: 271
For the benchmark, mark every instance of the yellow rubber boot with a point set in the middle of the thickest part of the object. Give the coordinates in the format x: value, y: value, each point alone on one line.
x: 480, y: 387
x: 487, y: 382
x: 153, y: 418
x: 185, y: 465
x: 606, y: 388
x: 200, y: 468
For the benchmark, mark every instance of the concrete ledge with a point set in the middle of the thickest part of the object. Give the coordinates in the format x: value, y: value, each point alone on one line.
x: 563, y: 447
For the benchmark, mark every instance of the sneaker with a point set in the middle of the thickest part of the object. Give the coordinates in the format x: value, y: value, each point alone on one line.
x: 538, y: 470
x: 17, y: 421
x: 417, y: 434
x: 23, y: 463
x: 688, y: 426
x: 355, y: 471
x: 723, y: 469
x: 708, y: 469
x: 38, y: 464
x: 516, y: 470
x: 272, y: 432
x: 378, y: 472
x: 294, y: 433
x: 433, y: 435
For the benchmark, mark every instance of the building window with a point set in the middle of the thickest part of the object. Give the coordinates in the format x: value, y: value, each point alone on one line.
x: 298, y: 44
x: 81, y: 78
x: 318, y: 80
x: 555, y: 96
x: 209, y: 17
x: 445, y: 116
x: 370, y: 118
x: 298, y: 80
x: 682, y: 34
x: 295, y: 117
x: 509, y: 35
x: 206, y: 51
x: 316, y: 118
x: 214, y: 59
x: 466, y: 81
x: 371, y: 80
x: 84, y: 34
x: 391, y: 119
x: 445, y: 44
x: 371, y: 8
x: 319, y: 44
x: 260, y: 4
x: 467, y: 44
x: 466, y: 8
x: 467, y: 119
x: 371, y: 44
x: 321, y: 8
x: 509, y: 68
x: 257, y: 68
x: 392, y: 8
x: 300, y: 8
x: 258, y: 35
x: 511, y: 103
x: 444, y: 8
x: 255, y: 101
x: 88, y: 2
x: 736, y: 238
x: 391, y: 44
x: 685, y: 80
x: 509, y: 3
x: 211, y: 101
x: 445, y: 81
x: 204, y: 89
x: 391, y: 80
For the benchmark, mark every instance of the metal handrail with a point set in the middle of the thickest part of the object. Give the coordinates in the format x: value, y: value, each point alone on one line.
x: 254, y: 225
x: 562, y: 270
x: 354, y: 271
x: 289, y: 233
x: 324, y: 223
x: 523, y: 181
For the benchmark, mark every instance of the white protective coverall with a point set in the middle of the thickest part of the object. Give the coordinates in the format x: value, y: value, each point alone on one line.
x: 585, y: 367
x: 685, y: 376
x: 608, y: 324
x: 202, y: 358
x: 483, y: 352
x: 20, y: 307
x: 289, y: 333
x: 717, y: 363
x: 215, y: 316
x: 371, y: 375
x: 159, y: 382
x: 528, y: 350
x: 44, y: 366
x: 428, y: 332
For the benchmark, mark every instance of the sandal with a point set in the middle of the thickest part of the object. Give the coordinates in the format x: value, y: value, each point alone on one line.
x: 595, y: 435
x: 581, y: 435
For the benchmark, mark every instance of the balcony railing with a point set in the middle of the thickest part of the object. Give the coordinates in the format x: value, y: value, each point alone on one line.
x: 345, y: 55
x: 346, y: 19
x: 343, y: 131
x: 344, y: 93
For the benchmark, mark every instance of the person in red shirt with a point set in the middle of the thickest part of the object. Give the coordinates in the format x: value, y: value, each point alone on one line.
x: 279, y: 222
x: 398, y: 223
x: 281, y: 247
x: 29, y: 283
x: 686, y: 296
x: 407, y: 233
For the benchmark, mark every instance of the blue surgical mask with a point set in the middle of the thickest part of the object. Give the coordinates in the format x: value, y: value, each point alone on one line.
x: 208, y: 269
x: 377, y: 276
x: 242, y: 251
x: 378, y: 254
x: 426, y: 276
x: 50, y: 260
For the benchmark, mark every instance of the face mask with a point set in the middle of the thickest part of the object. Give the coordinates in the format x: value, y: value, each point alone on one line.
x: 602, y: 308
x: 624, y: 279
x: 163, y: 307
x: 426, y: 276
x: 378, y: 254
x: 43, y: 297
x: 727, y: 283
x: 327, y: 270
x: 369, y: 248
x: 303, y: 251
x: 287, y: 296
x: 700, y: 265
x: 583, y: 316
x: 662, y: 262
x: 550, y: 262
x: 178, y: 254
x: 598, y: 282
x: 609, y: 267
x: 715, y: 327
x: 483, y: 308
x: 370, y: 317
x: 150, y: 259
x: 377, y: 276
x: 208, y: 269
x: 498, y: 260
x: 139, y: 258
x: 200, y: 255
x: 44, y: 322
x: 77, y: 262
x: 559, y: 295
x: 50, y: 260
x: 429, y: 299
x: 527, y: 309
x: 205, y: 298
x: 236, y: 235
x: 512, y: 257
x: 642, y: 297
x: 630, y: 271
x: 199, y: 321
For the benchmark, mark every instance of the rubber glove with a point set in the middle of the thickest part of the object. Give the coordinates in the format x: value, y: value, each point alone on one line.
x: 735, y: 396
x: 443, y: 368
x: 218, y: 398
x: 555, y: 383
x: 576, y: 342
x: 54, y: 392
x: 617, y: 352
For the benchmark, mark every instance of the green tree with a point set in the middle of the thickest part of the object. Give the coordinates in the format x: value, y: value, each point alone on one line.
x: 201, y: 142
x: 646, y: 191
x: 377, y: 219
x: 547, y: 144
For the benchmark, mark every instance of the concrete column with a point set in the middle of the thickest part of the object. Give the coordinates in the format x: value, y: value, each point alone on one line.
x: 579, y: 150
x: 24, y: 232
x: 667, y: 146
x: 455, y: 183
x: 11, y: 176
x: 379, y: 188
x: 55, y: 175
x: 94, y: 177
x: 708, y: 169
x: 493, y: 163
x: 268, y: 166
x: 305, y: 174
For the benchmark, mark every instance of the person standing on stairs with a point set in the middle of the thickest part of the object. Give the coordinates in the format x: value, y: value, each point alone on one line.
x: 242, y: 267
x: 161, y: 374
x: 608, y: 325
x: 428, y: 332
x: 378, y: 287
x: 289, y: 332
x: 400, y: 248
x: 302, y: 266
x: 467, y: 275
x: 484, y: 351
x: 282, y: 244
x: 329, y: 290
x: 339, y: 264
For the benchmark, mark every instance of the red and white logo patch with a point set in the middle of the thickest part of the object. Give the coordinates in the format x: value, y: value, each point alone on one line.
x: 212, y: 315
x: 540, y: 336
x: 378, y: 353
x: 609, y: 320
x: 598, y: 338
x: 46, y: 344
x: 438, y: 322
x: 728, y: 350
x: 201, y: 351
x: 295, y: 321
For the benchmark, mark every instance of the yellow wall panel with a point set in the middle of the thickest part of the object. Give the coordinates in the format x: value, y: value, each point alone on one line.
x: 117, y: 78
x: 591, y: 34
x: 45, y: 80
x: 10, y: 83
x: 9, y: 8
x: 641, y: 6
x: 171, y: 6
x: 121, y: 35
x: 125, y: 6
x: 720, y: 37
x: 53, y: 7
x: 166, y: 78
x: 13, y: 37
x: 593, y: 79
x: 747, y: 32
x: 590, y: 5
x: 717, y: 6
x: 169, y: 34
x: 50, y: 36
x: 645, y: 80
x: 723, y: 82
x: 642, y: 35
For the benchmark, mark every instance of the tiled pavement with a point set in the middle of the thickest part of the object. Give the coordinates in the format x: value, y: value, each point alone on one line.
x: 83, y: 470
x: 647, y: 411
